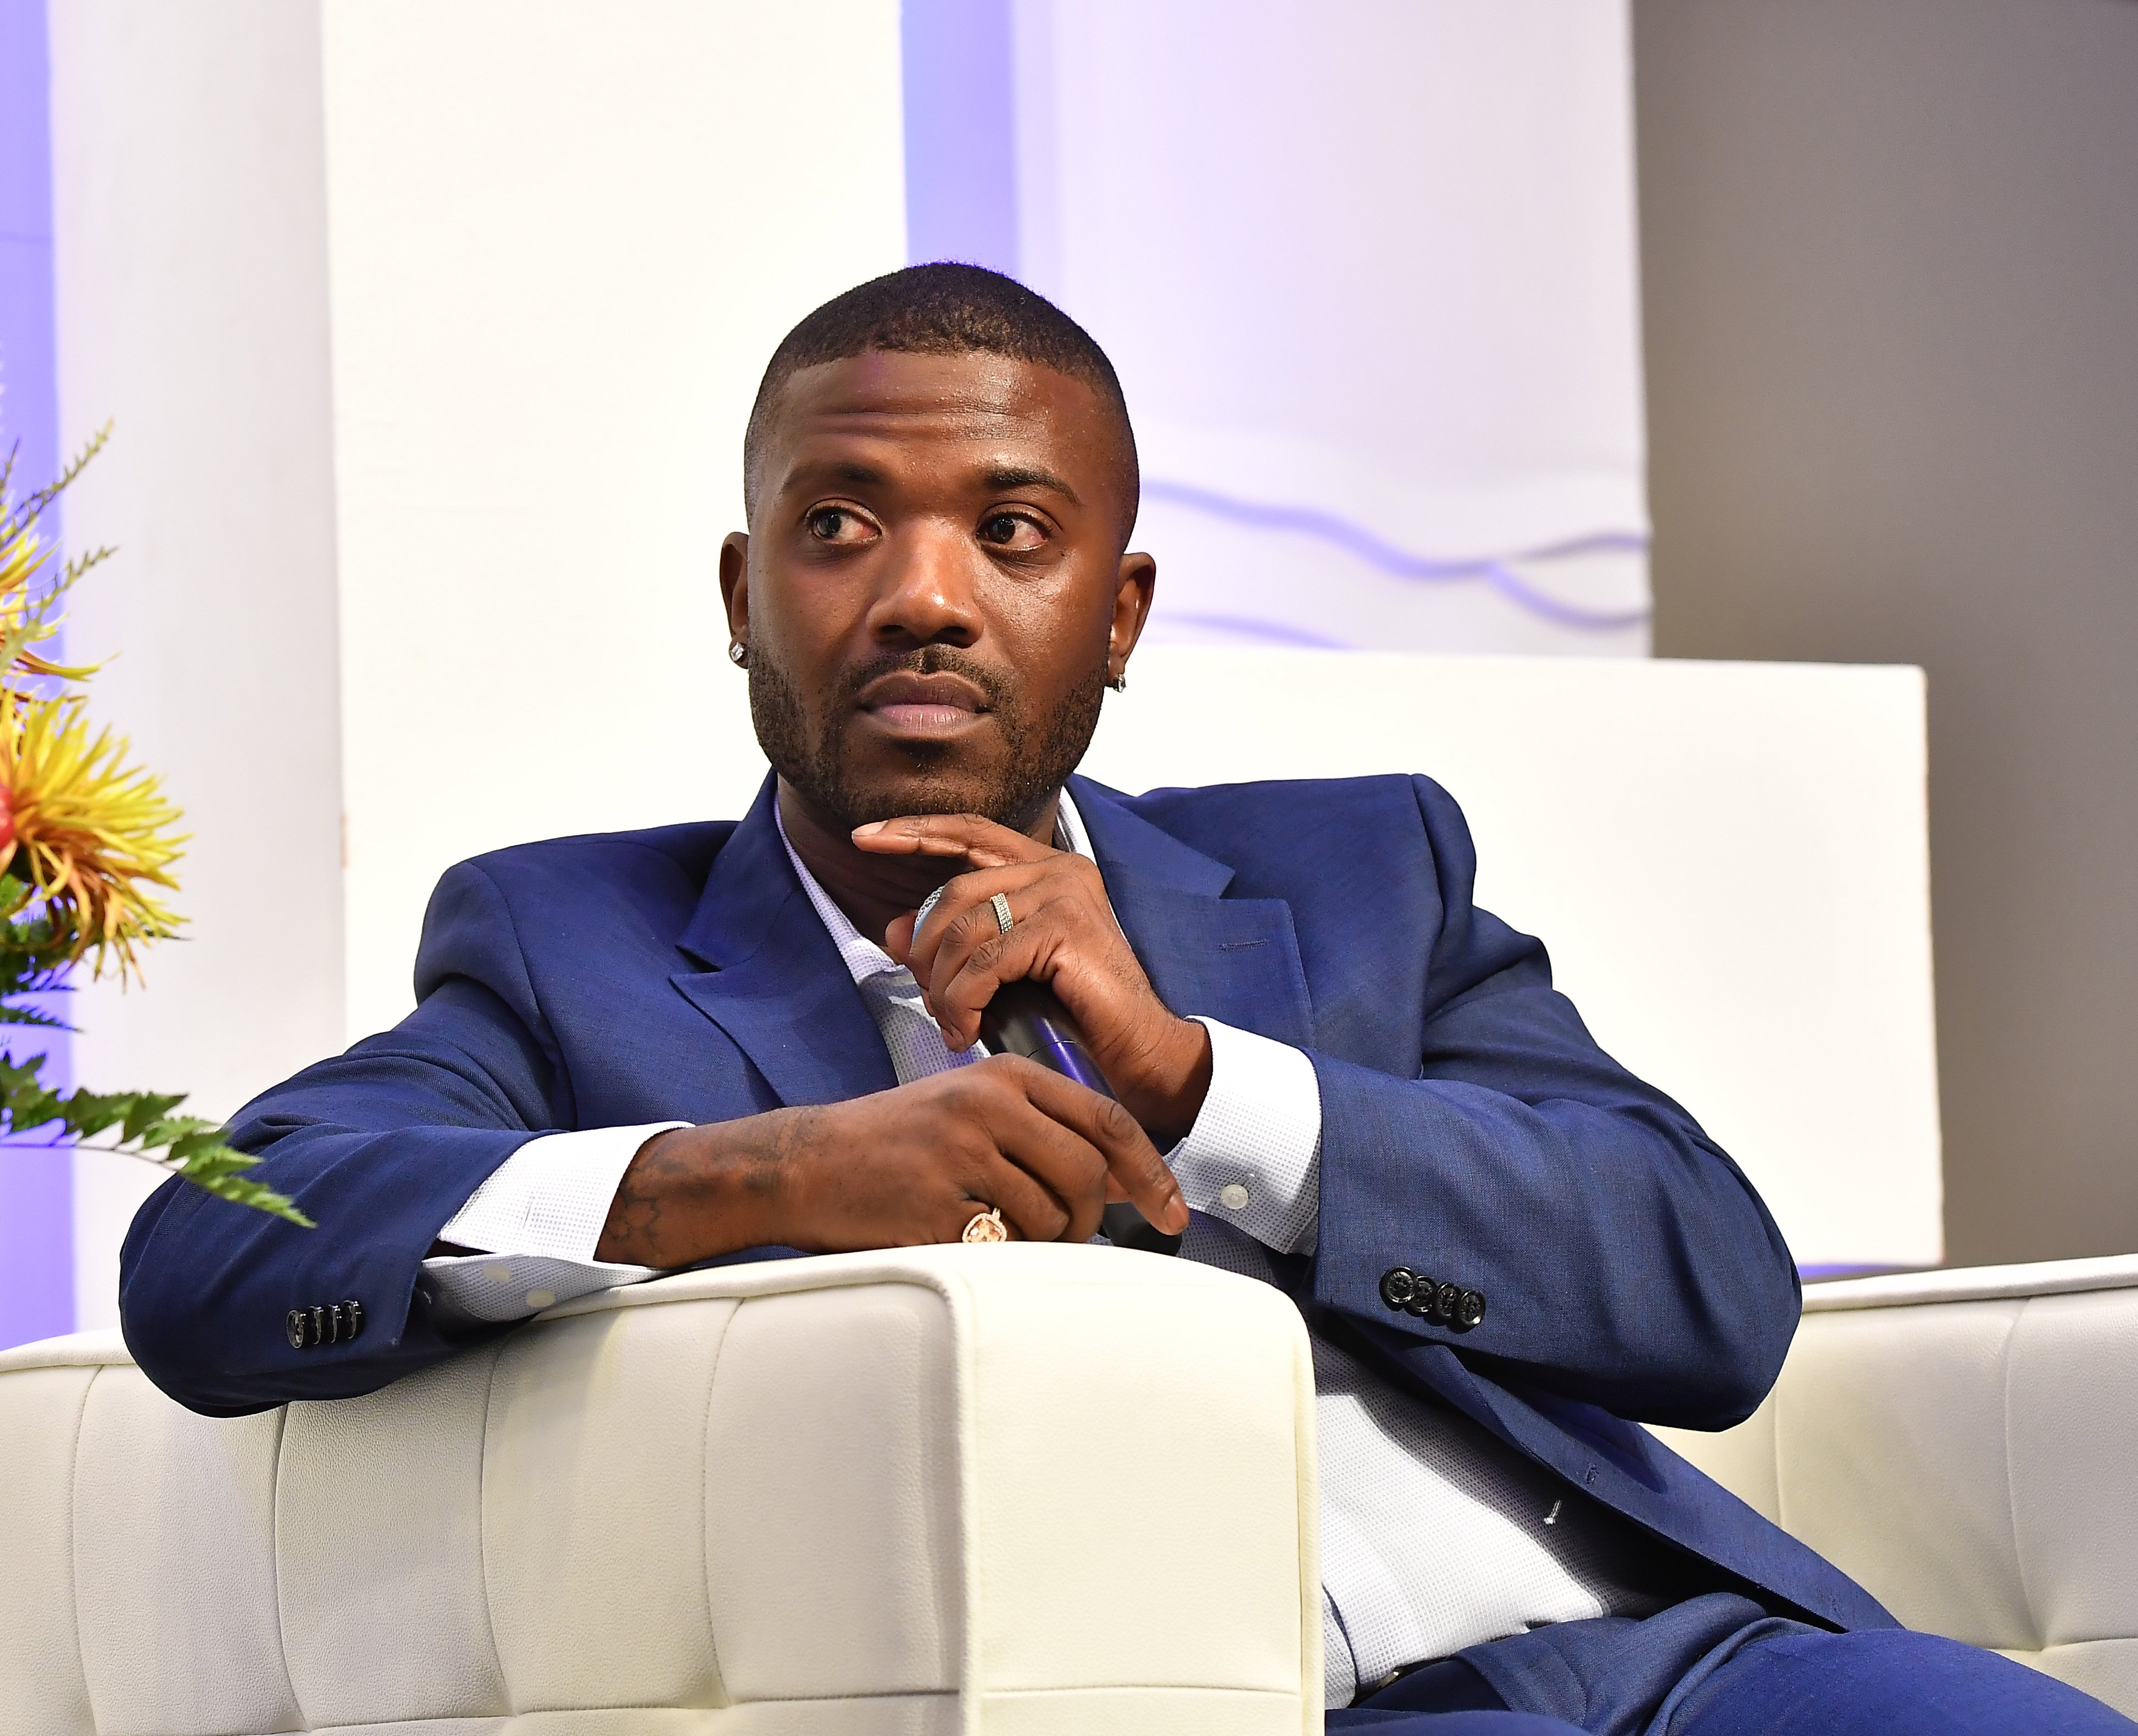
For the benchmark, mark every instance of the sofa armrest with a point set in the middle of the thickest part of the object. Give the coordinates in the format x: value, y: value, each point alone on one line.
x: 1961, y: 1442
x: 1016, y: 1488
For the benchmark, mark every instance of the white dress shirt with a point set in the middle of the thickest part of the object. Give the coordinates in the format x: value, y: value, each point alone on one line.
x: 1435, y: 1534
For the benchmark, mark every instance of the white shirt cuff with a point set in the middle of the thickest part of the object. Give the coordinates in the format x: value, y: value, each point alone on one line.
x: 537, y: 1219
x: 1253, y: 1157
x: 552, y: 1195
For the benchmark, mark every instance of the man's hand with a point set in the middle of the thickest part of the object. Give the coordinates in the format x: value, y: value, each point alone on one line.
x: 894, y: 1169
x: 1064, y: 935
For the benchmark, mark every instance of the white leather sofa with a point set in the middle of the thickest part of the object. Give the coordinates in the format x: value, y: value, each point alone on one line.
x: 1004, y: 1490
x: 1965, y: 1444
x: 947, y: 1491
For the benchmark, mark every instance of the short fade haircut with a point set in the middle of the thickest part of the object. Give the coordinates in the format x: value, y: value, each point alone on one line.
x: 941, y: 310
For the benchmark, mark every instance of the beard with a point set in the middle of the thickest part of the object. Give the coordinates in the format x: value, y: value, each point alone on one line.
x: 1039, y: 753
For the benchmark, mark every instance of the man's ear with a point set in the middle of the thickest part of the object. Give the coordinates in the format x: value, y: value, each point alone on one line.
x: 1133, y: 590
x: 734, y: 584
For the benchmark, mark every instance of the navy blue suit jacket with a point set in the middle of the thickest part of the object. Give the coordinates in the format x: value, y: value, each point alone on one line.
x: 1472, y: 1129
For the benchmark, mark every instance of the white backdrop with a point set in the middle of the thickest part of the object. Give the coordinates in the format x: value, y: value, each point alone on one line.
x: 560, y: 256
x: 190, y: 261
x: 1376, y: 261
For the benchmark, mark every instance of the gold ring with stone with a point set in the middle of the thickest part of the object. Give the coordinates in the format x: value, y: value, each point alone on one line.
x: 986, y: 1226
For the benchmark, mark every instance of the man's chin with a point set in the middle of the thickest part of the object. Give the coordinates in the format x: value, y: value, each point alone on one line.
x: 892, y: 798
x: 854, y: 794
x: 860, y: 778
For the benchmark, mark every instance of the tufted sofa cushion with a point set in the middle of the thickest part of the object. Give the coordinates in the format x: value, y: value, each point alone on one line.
x: 1965, y: 1444
x: 1009, y: 1489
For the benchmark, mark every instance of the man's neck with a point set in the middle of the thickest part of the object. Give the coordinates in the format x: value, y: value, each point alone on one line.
x: 873, y: 890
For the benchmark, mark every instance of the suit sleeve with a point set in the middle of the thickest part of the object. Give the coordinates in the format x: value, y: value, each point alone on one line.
x: 1623, y: 1258
x: 380, y: 1146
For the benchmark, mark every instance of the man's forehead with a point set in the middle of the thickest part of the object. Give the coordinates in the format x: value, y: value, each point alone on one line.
x: 887, y: 401
x: 909, y: 376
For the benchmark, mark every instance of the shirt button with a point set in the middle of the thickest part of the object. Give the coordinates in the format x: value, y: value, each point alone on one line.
x: 1232, y: 1196
x: 498, y: 1273
x: 539, y: 1299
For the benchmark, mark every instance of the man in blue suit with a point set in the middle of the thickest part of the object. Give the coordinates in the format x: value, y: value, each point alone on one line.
x: 1329, y: 1071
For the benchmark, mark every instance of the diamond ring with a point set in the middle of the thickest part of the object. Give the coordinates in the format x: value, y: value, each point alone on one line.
x: 987, y: 1226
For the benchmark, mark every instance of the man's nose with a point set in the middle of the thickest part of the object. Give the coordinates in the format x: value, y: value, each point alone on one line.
x: 928, y: 595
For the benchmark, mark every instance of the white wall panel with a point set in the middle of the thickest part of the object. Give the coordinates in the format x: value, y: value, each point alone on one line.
x: 191, y: 276
x: 564, y: 241
x: 1729, y: 862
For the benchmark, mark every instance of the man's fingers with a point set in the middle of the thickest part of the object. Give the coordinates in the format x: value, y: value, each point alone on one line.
x: 1054, y: 1157
x: 1032, y: 1209
x: 1131, y: 1159
x: 967, y: 970
x: 962, y: 918
x: 980, y: 841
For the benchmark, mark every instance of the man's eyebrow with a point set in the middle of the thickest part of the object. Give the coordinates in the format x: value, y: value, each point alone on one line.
x: 818, y: 472
x: 1002, y: 478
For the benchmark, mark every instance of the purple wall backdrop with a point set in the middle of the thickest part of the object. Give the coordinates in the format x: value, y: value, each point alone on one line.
x: 959, y: 76
x: 36, y: 1188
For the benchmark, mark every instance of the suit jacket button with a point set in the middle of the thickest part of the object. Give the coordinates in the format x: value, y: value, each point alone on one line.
x: 352, y: 1320
x: 1398, y: 1285
x: 1425, y: 1293
x: 296, y: 1328
x: 1469, y: 1310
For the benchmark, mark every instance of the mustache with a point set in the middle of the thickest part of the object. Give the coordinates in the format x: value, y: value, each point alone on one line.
x: 930, y: 659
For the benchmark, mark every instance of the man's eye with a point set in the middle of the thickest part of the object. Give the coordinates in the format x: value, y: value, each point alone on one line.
x: 836, y: 524
x: 1008, y: 530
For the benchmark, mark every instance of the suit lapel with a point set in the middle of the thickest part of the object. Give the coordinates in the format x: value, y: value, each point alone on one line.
x: 1233, y: 959
x: 775, y: 983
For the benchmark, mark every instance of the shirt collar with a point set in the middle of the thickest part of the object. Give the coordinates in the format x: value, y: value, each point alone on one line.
x: 862, y: 956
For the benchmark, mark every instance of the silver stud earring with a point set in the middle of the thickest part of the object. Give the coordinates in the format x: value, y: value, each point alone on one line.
x: 739, y: 655
x: 1120, y: 683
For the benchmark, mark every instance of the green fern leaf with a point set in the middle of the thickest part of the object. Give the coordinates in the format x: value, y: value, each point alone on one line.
x: 221, y: 1171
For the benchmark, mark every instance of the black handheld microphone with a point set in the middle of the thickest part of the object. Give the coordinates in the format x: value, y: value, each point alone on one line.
x: 1026, y: 1018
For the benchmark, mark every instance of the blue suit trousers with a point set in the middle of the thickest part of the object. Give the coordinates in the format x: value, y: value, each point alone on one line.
x: 1719, y: 1665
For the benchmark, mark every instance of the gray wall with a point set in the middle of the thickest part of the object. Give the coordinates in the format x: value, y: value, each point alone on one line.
x: 1889, y: 250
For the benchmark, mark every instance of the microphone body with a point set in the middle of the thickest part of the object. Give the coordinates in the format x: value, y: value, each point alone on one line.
x: 1028, y: 1019
x: 1025, y: 1018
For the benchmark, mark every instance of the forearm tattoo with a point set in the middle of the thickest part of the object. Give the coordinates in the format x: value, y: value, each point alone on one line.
x: 676, y: 1202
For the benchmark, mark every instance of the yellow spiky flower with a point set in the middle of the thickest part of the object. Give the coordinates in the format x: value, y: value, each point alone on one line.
x: 28, y: 612
x: 84, y: 837
x: 85, y: 833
